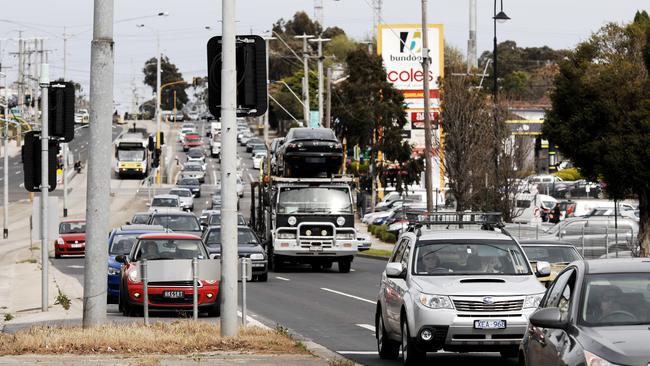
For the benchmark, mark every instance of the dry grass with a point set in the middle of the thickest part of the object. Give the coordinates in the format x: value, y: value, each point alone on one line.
x: 181, y: 337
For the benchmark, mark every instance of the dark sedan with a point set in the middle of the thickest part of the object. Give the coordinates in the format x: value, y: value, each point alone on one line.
x: 192, y: 184
x: 596, y: 312
x: 310, y: 151
x: 248, y: 247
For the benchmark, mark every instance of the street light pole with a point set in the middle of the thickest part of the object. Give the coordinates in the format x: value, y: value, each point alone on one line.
x: 428, y: 179
x: 158, y: 148
x: 320, y: 77
x: 44, y: 83
x: 498, y: 17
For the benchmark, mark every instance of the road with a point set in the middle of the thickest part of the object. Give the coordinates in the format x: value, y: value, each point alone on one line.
x: 330, y: 308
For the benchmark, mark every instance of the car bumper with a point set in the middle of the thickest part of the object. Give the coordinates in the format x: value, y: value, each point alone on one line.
x: 298, y: 159
x: 454, y: 330
x: 207, y: 296
x: 68, y: 249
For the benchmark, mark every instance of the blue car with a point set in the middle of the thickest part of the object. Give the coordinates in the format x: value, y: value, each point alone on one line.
x: 120, y: 242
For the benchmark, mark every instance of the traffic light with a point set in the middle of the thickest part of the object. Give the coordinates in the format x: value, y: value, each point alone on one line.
x: 61, y: 110
x: 31, y: 154
x: 251, y: 66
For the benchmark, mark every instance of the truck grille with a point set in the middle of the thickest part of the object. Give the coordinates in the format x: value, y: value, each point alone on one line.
x: 479, y: 305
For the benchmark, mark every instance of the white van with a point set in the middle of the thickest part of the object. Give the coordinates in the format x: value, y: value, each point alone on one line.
x: 530, y: 207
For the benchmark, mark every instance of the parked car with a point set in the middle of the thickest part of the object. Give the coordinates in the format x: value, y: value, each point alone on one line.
x: 310, y: 151
x: 193, y: 170
x: 72, y: 238
x: 169, y: 295
x: 120, y: 242
x: 178, y: 222
x: 140, y: 218
x: 457, y: 290
x: 257, y: 159
x: 191, y: 140
x: 558, y: 253
x: 192, y: 184
x: 185, y: 196
x: 596, y: 312
x: 248, y: 246
x: 164, y: 203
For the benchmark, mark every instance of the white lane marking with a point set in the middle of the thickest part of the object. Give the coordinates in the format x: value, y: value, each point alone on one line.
x: 348, y: 295
x: 353, y: 270
x: 214, y: 177
x: 21, y: 185
x: 17, y: 173
x: 75, y: 150
x: 76, y: 266
x: 366, y: 326
x: 282, y: 278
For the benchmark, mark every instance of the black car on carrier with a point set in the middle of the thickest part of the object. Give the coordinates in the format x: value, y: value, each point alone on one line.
x: 310, y: 151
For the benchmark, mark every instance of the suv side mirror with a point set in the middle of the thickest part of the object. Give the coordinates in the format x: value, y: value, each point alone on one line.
x: 548, y: 318
x: 543, y: 269
x: 395, y: 270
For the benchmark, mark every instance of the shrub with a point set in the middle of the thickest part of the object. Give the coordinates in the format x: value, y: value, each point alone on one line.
x: 388, y: 237
x: 569, y: 174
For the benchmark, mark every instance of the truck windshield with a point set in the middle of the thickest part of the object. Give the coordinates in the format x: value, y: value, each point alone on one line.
x: 324, y: 200
x: 130, y: 155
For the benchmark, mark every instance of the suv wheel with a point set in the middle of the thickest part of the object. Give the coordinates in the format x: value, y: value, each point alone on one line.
x: 410, y: 354
x: 388, y: 348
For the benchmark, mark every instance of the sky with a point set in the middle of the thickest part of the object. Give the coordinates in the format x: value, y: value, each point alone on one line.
x: 183, y: 37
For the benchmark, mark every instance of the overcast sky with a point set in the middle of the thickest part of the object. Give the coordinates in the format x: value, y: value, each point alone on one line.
x: 554, y: 23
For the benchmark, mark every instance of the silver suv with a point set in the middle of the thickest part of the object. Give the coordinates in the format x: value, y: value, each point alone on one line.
x: 457, y: 290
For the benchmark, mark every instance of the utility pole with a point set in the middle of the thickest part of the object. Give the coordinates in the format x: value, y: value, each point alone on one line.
x: 320, y: 41
x: 158, y: 114
x: 266, y: 114
x: 318, y: 12
x: 21, y: 81
x: 376, y: 16
x: 426, y: 60
x: 5, y: 191
x: 328, y: 114
x: 65, y: 55
x: 472, y: 61
x: 305, y: 79
x: 99, y: 158
x: 65, y: 179
x: 229, y: 256
x: 44, y: 82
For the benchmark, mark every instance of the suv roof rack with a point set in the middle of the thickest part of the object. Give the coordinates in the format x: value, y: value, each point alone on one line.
x: 333, y: 179
x: 487, y: 220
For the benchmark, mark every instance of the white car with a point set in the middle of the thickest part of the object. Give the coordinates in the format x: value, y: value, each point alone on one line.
x: 186, y: 197
x: 240, y: 187
x: 215, y: 147
x: 257, y: 159
x: 165, y: 203
x: 184, y: 131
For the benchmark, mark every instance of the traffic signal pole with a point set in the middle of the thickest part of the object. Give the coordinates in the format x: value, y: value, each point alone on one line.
x: 44, y: 82
x: 99, y: 161
x: 229, y: 256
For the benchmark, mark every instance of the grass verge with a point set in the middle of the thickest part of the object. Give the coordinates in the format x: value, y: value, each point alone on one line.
x: 382, y: 253
x: 28, y: 260
x: 179, y: 337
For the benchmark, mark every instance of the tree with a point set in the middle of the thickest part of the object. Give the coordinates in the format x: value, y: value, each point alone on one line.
x: 368, y: 111
x: 600, y: 115
x: 169, y: 73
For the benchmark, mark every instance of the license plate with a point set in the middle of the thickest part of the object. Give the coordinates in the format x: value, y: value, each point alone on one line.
x: 258, y: 264
x: 315, y: 160
x: 489, y: 324
x: 173, y: 294
x: 316, y: 249
x: 76, y: 245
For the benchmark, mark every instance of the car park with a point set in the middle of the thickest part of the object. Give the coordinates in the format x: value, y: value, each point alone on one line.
x: 558, y: 253
x: 167, y: 295
x: 191, y: 140
x: 140, y: 218
x: 248, y: 246
x: 72, y: 238
x: 258, y: 158
x: 596, y: 313
x: 193, y: 170
x: 310, y: 151
x: 120, y: 242
x: 178, y: 222
x: 185, y: 196
x: 457, y: 290
x: 192, y: 184
x: 165, y: 202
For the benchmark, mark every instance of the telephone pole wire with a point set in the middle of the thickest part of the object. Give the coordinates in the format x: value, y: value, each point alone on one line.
x: 305, y: 78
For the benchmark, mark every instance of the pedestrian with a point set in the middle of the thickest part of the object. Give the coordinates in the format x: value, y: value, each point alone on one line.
x: 555, y: 214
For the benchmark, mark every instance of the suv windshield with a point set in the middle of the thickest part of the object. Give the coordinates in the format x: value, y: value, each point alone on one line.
x: 314, y: 200
x: 169, y: 249
x: 122, y: 244
x: 616, y: 299
x: 189, y: 182
x: 177, y: 223
x: 469, y: 258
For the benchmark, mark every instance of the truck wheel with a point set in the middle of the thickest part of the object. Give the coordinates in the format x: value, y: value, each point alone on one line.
x: 345, y: 265
x: 263, y: 277
x: 327, y: 265
x: 317, y: 267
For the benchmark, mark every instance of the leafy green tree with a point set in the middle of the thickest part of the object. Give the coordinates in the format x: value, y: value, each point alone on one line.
x: 600, y: 116
x: 169, y: 73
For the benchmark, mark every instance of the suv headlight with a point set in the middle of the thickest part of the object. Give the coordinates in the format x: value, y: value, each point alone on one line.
x: 113, y: 271
x: 532, y: 301
x: 257, y: 257
x: 345, y: 236
x: 133, y: 276
x: 435, y: 301
x: 593, y: 360
x: 286, y: 235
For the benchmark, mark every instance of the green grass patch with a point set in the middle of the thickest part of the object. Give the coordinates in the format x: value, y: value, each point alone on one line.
x: 383, y: 253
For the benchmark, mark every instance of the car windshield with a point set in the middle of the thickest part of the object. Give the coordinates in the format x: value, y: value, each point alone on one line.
x: 195, y: 153
x: 164, y: 202
x: 215, y: 219
x: 140, y: 219
x: 469, y: 257
x: 131, y: 155
x: 122, y: 244
x: 169, y: 249
x: 314, y: 134
x: 314, y: 200
x: 616, y: 299
x: 72, y: 227
x: 189, y: 181
x: 177, y: 223
x: 244, y: 236
x: 192, y: 168
x: 181, y: 193
x: 551, y: 254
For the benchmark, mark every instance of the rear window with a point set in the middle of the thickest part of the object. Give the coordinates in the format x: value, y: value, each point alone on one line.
x: 72, y: 227
x: 316, y: 134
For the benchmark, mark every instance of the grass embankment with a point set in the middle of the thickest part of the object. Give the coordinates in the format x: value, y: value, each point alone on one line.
x: 179, y: 337
x: 382, y: 253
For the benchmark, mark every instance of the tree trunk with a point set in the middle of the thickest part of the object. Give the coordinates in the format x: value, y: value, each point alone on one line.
x: 644, y: 222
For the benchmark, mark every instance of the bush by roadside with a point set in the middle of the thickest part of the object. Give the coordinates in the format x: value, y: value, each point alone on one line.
x: 380, y: 232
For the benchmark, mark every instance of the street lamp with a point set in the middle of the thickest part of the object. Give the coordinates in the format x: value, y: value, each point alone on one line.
x: 501, y: 17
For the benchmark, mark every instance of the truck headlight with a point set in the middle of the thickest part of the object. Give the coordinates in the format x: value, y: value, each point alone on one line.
x: 435, y: 301
x: 340, y: 221
x: 532, y: 301
x: 292, y: 220
x: 286, y: 235
x: 257, y: 257
x: 345, y: 236
x: 113, y: 271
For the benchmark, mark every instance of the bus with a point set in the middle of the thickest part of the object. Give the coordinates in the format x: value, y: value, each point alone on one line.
x: 132, y: 156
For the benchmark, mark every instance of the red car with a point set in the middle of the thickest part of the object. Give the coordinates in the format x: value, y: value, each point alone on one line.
x: 191, y: 140
x: 170, y: 295
x: 72, y: 238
